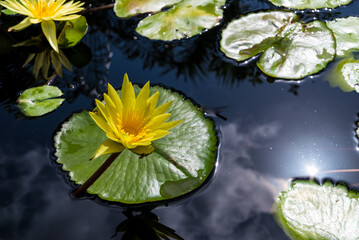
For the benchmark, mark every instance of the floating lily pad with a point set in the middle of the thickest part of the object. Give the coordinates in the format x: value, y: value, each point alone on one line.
x: 181, y: 162
x: 291, y: 50
x: 38, y: 101
x: 310, y: 4
x: 128, y: 8
x: 346, y: 32
x: 183, y: 20
x: 250, y: 31
x: 345, y: 75
x: 309, y: 211
x: 72, y: 31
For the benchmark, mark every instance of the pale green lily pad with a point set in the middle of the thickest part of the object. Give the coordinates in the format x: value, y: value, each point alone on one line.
x: 128, y: 8
x: 181, y: 162
x: 308, y: 211
x: 183, y: 20
x: 251, y: 30
x: 310, y: 4
x: 305, y: 49
x: 346, y: 32
x: 72, y: 31
x: 38, y: 101
x: 345, y: 75
x: 291, y: 50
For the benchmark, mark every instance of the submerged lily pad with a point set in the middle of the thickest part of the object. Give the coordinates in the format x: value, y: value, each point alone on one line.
x: 346, y: 32
x: 309, y: 211
x: 312, y: 4
x: 291, y: 50
x: 183, y: 20
x: 345, y: 75
x: 38, y: 101
x: 128, y: 8
x: 181, y: 162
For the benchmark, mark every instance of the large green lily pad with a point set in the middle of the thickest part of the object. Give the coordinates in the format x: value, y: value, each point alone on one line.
x: 291, y: 49
x: 309, y: 211
x: 346, y: 32
x: 128, y: 8
x: 181, y: 162
x: 310, y: 4
x: 183, y: 20
x: 38, y: 101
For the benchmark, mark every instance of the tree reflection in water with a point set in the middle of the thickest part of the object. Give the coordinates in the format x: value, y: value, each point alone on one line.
x: 144, y: 226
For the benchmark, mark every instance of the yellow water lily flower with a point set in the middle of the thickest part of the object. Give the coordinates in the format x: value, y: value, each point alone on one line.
x: 131, y: 122
x: 44, y: 12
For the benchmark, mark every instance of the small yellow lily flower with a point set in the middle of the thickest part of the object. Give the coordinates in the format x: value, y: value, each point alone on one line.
x: 44, y: 12
x: 131, y: 122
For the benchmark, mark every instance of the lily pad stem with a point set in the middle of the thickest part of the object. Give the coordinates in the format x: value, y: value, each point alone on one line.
x: 83, y: 188
x: 99, y: 8
x: 51, y: 79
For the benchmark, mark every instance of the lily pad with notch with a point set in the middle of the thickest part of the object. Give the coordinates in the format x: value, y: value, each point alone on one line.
x: 180, y: 163
x: 38, y: 101
x: 308, y: 211
x: 290, y: 49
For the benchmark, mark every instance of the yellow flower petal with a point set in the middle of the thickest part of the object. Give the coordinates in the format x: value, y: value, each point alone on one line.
x: 108, y: 147
x: 44, y: 10
x: 102, y: 108
x: 169, y: 125
x: 66, y: 18
x: 161, y: 109
x: 49, y: 30
x: 22, y: 25
x: 128, y: 98
x: 152, y: 101
x: 115, y: 98
x: 35, y: 20
x: 134, y: 122
x: 15, y: 6
x: 143, y: 150
x: 157, y: 121
x: 100, y: 122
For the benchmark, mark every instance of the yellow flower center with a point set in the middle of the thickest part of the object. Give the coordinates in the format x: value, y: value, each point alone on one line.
x: 132, y: 124
x: 43, y: 8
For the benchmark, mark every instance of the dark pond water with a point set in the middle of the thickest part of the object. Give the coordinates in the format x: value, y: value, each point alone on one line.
x: 275, y: 130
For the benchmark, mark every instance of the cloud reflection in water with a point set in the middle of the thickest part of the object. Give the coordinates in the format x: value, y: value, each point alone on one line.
x: 238, y: 203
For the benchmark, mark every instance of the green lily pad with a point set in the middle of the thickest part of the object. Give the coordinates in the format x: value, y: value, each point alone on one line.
x: 128, y: 8
x: 38, y: 101
x: 291, y: 50
x: 346, y: 32
x: 309, y: 211
x: 183, y: 20
x: 310, y: 4
x: 181, y: 162
x: 249, y: 31
x: 345, y: 75
x: 72, y: 31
